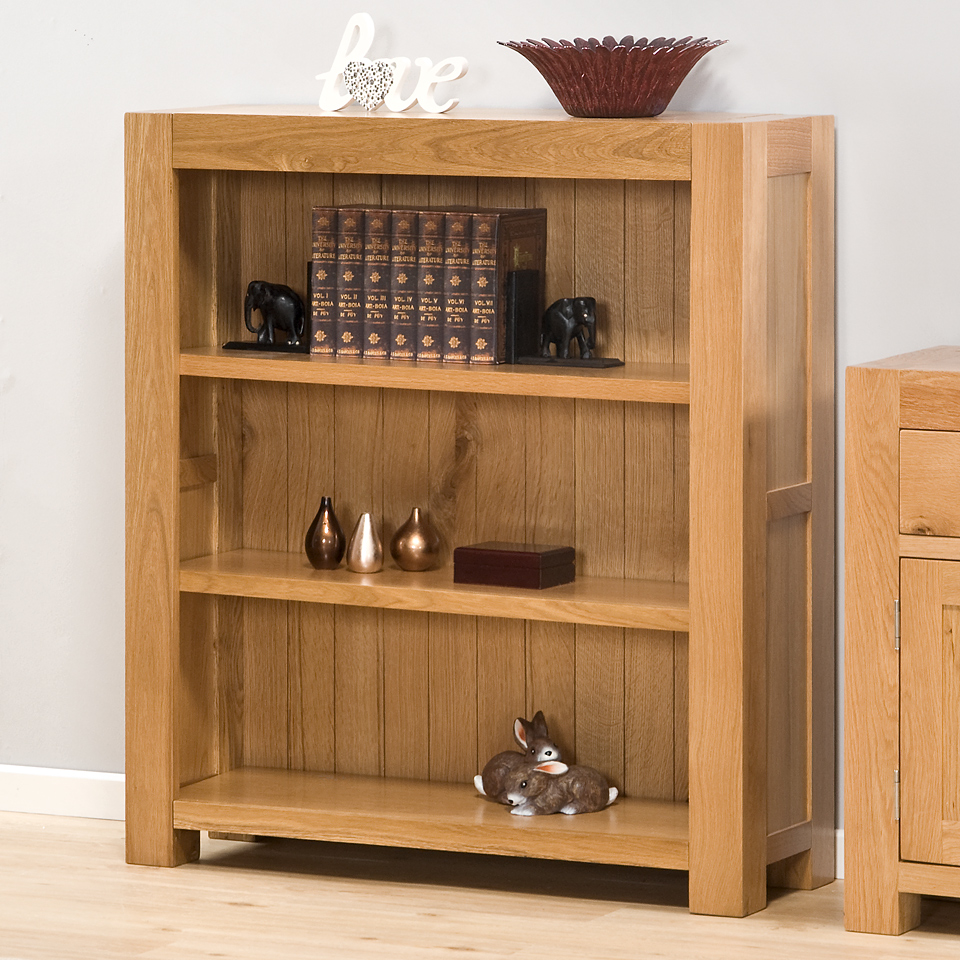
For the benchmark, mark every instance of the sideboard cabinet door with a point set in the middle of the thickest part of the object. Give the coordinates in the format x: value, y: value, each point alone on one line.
x: 930, y: 711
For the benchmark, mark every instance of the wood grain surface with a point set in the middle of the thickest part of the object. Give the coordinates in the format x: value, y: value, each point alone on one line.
x: 429, y: 815
x: 703, y: 460
x: 299, y: 900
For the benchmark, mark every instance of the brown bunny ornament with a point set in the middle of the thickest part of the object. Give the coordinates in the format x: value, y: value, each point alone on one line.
x: 553, y: 787
x: 533, y: 738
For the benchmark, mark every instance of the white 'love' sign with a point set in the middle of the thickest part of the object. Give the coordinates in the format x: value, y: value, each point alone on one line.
x: 354, y: 46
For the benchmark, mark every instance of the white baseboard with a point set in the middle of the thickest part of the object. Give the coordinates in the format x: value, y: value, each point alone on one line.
x: 63, y: 793
x: 840, y: 854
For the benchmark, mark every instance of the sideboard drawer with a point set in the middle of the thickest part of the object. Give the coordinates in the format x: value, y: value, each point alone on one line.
x: 930, y: 483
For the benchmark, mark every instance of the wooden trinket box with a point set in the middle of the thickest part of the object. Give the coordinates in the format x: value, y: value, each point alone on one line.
x: 533, y: 565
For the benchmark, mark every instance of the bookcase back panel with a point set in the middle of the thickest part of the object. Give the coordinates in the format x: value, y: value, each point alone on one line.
x: 484, y: 467
x: 427, y: 696
x: 624, y: 242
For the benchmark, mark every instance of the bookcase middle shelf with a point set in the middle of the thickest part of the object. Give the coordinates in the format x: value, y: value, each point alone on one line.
x: 602, y: 601
x: 637, y: 382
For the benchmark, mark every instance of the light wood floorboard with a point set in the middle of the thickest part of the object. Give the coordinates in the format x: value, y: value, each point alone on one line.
x: 65, y: 893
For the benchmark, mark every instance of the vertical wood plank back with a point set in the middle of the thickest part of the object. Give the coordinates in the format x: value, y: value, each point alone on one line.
x: 265, y: 484
x: 649, y: 485
x: 551, y: 680
x: 359, y: 485
x: 550, y: 426
x: 406, y: 638
x: 453, y: 698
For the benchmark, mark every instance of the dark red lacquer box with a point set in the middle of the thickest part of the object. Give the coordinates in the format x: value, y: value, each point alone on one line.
x: 533, y: 565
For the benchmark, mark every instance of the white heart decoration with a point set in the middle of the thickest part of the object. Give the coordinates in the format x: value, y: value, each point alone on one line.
x: 368, y: 83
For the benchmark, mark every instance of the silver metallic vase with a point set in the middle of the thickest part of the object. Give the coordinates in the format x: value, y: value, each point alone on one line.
x: 365, y: 551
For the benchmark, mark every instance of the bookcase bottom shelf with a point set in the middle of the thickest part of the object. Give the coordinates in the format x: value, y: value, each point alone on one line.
x: 430, y: 816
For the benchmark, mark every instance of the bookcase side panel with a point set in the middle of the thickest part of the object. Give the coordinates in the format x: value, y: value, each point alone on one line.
x: 728, y: 520
x: 152, y: 486
x: 787, y: 527
x: 823, y: 521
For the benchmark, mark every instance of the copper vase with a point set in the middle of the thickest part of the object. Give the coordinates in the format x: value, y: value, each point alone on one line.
x: 416, y: 545
x: 325, y: 542
x: 365, y: 551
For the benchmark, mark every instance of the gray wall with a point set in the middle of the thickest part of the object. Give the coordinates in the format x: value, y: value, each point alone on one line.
x: 69, y: 72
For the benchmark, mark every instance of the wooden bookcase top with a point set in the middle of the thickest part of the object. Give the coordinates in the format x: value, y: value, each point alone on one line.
x: 544, y: 143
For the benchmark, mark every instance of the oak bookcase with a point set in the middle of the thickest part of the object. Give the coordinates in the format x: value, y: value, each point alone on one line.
x: 692, y: 660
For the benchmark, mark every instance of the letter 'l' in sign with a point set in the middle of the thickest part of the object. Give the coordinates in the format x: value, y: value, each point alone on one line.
x: 355, y: 44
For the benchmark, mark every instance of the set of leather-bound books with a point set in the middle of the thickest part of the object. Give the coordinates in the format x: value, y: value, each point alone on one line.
x: 423, y: 284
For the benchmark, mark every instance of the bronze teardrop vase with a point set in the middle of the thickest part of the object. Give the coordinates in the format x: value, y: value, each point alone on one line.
x: 416, y: 545
x: 325, y: 542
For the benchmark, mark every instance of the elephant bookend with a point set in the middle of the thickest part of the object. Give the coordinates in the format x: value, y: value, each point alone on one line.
x: 280, y: 308
x: 572, y: 319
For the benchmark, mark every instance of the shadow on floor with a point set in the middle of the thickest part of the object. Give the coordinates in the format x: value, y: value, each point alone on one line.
x: 587, y: 881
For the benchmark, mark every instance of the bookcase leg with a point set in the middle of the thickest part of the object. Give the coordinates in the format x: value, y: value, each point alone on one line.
x: 168, y: 849
x: 809, y: 869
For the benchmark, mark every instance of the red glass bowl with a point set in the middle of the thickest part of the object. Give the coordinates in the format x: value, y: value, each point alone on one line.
x: 611, y: 78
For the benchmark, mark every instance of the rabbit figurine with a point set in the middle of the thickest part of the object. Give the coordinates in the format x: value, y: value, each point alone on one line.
x: 533, y: 737
x: 553, y: 787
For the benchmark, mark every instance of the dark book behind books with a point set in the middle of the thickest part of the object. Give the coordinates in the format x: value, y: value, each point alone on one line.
x: 403, y: 285
x: 350, y: 282
x: 430, y: 236
x: 457, y: 297
x: 323, y: 282
x: 504, y: 242
x: 376, y: 284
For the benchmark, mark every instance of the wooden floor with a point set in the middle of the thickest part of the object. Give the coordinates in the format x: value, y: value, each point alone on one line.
x: 66, y: 894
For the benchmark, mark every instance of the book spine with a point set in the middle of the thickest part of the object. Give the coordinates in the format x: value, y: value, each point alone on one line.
x: 430, y: 285
x: 456, y: 287
x: 483, y: 261
x: 323, y: 282
x: 376, y: 284
x: 403, y: 285
x: 521, y: 247
x: 350, y: 283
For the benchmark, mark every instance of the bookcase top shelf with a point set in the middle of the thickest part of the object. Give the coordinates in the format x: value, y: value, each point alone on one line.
x: 545, y: 143
x: 643, y: 382
x: 603, y: 601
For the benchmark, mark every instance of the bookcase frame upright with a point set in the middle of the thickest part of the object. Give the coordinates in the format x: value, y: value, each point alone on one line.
x: 693, y: 658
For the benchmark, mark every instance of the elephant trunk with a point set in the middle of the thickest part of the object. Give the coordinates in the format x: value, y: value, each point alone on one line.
x: 248, y: 308
x: 592, y: 334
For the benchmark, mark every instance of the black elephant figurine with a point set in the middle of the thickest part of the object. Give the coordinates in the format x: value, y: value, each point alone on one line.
x: 280, y: 309
x: 568, y: 319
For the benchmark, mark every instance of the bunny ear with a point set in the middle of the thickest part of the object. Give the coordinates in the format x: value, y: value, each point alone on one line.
x: 520, y: 732
x: 539, y: 725
x: 552, y: 766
